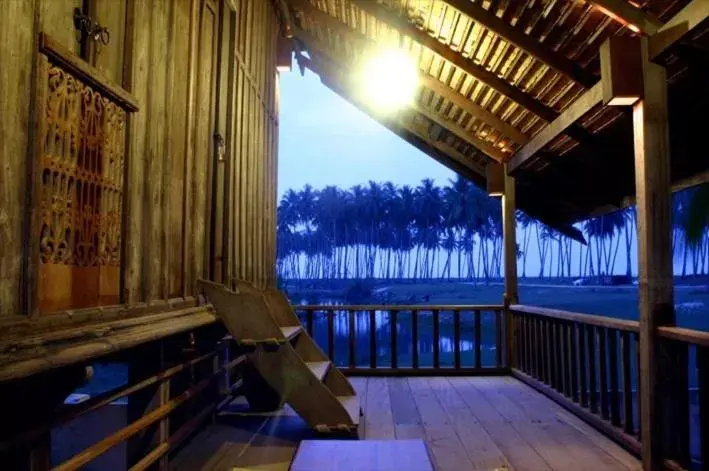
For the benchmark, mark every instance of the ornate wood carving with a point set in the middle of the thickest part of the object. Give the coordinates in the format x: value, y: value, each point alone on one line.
x: 80, y: 194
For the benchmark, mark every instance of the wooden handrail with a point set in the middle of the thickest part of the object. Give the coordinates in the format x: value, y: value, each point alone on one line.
x: 397, y: 307
x: 696, y: 337
x: 97, y: 449
x: 74, y: 412
x: 589, y: 319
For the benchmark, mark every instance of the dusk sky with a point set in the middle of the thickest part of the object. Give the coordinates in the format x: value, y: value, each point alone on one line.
x: 327, y: 141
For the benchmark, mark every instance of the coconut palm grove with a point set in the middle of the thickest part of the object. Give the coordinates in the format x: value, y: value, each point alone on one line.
x: 382, y: 231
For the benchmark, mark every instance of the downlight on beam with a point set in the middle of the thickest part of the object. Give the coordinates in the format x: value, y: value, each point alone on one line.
x: 389, y: 80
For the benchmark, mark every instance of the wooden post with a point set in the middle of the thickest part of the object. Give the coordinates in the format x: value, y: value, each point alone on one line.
x: 652, y: 182
x: 510, y: 248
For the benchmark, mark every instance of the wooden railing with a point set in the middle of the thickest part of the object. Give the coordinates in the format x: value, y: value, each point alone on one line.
x: 212, y: 383
x: 409, y: 340
x: 590, y: 365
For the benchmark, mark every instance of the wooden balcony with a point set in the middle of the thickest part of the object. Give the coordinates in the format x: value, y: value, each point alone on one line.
x: 468, y: 423
x: 562, y: 395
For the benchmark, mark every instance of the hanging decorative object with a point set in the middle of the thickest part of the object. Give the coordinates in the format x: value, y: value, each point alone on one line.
x: 88, y: 28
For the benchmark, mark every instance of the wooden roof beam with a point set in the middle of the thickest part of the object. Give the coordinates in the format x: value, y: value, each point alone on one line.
x: 425, y: 79
x: 405, y: 27
x: 681, y: 24
x: 521, y: 40
x: 628, y: 15
x: 483, y: 146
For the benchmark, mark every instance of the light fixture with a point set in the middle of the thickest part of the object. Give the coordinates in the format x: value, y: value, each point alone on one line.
x: 284, y: 54
x: 621, y: 71
x: 495, y: 178
x: 389, y: 79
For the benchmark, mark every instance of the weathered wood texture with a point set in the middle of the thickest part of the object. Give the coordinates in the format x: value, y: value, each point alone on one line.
x: 17, y: 34
x: 467, y: 423
x: 192, y: 207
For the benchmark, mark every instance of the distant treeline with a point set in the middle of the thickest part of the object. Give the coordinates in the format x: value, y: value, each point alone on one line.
x: 381, y: 230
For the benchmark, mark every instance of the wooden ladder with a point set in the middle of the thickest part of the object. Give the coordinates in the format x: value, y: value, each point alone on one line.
x: 285, y: 355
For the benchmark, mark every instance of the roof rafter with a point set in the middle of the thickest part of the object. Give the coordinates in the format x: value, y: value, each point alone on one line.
x: 691, y: 16
x: 513, y: 35
x: 404, y: 26
x: 472, y: 139
x: 425, y: 79
x: 632, y: 17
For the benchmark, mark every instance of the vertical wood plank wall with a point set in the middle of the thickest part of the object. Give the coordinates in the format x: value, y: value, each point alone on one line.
x: 197, y: 68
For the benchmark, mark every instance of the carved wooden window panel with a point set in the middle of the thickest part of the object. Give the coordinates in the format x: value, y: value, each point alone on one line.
x: 80, y: 186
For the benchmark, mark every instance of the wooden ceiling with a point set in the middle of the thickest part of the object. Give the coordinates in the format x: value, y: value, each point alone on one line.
x: 513, y: 81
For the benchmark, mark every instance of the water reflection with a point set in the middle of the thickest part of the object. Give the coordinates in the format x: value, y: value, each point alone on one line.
x: 404, y: 337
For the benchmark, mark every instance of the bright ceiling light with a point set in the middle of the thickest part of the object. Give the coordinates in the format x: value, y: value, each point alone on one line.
x: 390, y: 79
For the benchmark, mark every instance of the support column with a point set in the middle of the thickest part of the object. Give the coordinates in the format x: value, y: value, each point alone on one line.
x: 661, y: 365
x: 509, y: 234
x: 509, y: 237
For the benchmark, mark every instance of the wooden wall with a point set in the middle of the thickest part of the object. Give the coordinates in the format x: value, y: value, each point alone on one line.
x: 197, y: 68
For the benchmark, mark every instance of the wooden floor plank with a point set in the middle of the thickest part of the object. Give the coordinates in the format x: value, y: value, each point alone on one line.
x: 467, y: 423
x: 444, y: 445
x: 481, y: 449
x: 378, y: 415
x: 548, y: 447
x: 543, y: 412
x: 272, y: 447
x: 359, y: 384
x: 517, y: 451
x: 407, y: 420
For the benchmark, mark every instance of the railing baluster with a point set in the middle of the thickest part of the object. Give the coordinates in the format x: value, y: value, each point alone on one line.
x: 703, y: 395
x: 591, y: 336
x: 603, y: 370
x: 372, y: 339
x: 456, y: 338
x: 636, y: 340
x: 522, y: 342
x: 498, y: 339
x: 572, y: 362
x: 528, y: 344
x: 535, y: 347
x: 566, y: 358
x: 613, y: 371
x: 478, y: 340
x: 331, y: 335
x: 558, y: 359
x: 551, y: 364
x: 415, y: 339
x: 627, y: 386
x: 309, y: 321
x: 582, y: 365
x: 352, y: 338
x: 436, y: 340
x: 393, y: 323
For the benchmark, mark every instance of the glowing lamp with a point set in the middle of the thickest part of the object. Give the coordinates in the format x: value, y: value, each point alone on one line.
x: 389, y: 79
x: 284, y: 55
x: 495, y: 177
x: 621, y: 71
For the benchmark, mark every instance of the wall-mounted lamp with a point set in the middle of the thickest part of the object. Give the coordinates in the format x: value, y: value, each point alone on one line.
x: 621, y: 71
x: 495, y: 176
x: 285, y: 54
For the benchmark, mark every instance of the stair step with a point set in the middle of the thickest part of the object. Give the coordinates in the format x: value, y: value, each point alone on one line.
x: 351, y: 405
x: 291, y: 331
x: 319, y: 368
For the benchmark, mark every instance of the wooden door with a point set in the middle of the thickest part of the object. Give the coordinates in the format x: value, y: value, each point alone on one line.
x: 205, y: 148
x: 222, y: 161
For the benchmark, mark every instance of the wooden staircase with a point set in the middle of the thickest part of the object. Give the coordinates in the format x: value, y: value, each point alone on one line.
x: 285, y: 355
